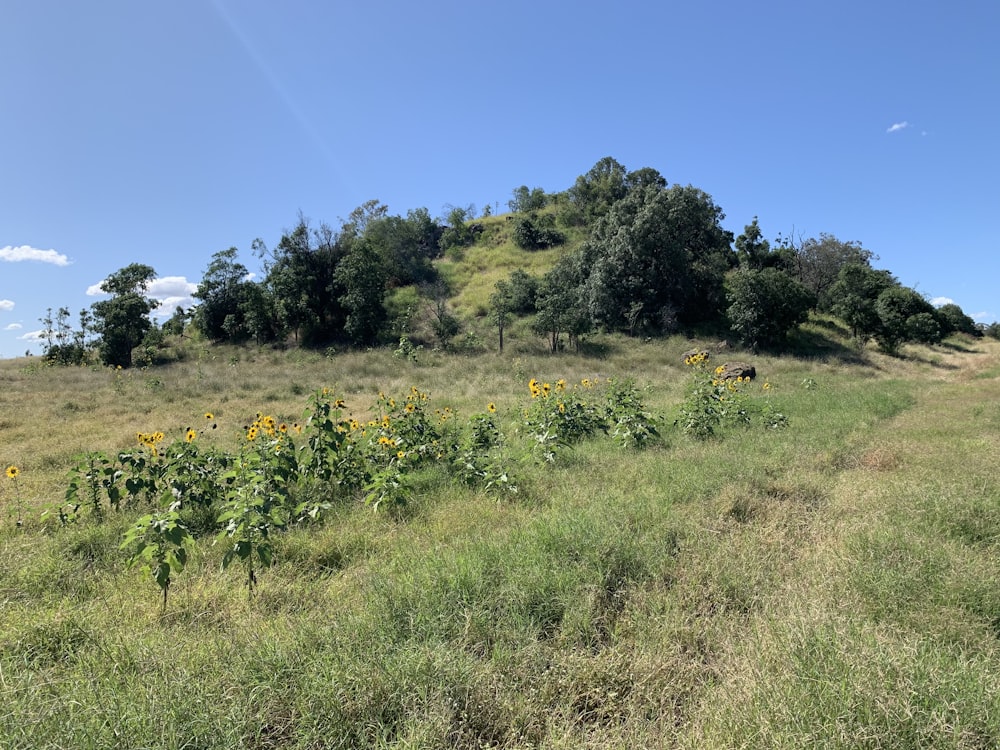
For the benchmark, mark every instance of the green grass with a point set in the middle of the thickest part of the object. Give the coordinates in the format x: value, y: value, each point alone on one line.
x: 829, y: 584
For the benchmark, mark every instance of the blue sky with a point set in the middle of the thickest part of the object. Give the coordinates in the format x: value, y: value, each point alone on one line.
x: 161, y: 133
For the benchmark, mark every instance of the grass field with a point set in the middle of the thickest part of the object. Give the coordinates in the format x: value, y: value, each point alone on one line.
x: 832, y: 583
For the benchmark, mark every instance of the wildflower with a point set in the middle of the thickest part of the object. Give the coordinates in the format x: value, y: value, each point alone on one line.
x: 12, y: 472
x: 355, y: 424
x: 585, y: 383
x: 410, y: 408
x: 401, y: 455
x: 491, y: 408
x: 766, y: 387
x: 546, y: 388
x: 562, y: 408
x: 340, y: 404
x: 190, y: 435
x: 209, y: 416
x: 561, y: 384
x: 282, y: 428
x: 252, y: 433
x: 298, y: 428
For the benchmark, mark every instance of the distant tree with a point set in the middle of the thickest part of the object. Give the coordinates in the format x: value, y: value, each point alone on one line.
x: 177, y: 322
x: 458, y: 233
x: 752, y: 249
x: 361, y: 276
x: 561, y: 305
x: 659, y: 255
x: 222, y: 290
x: 765, y: 305
x: 444, y: 323
x: 854, y: 295
x: 526, y: 201
x: 523, y: 291
x: 501, y: 305
x: 63, y: 345
x: 301, y: 280
x: 123, y: 321
x: 952, y: 319
x: 408, y: 247
x: 593, y: 193
x: 818, y: 261
x: 534, y: 232
x: 903, y: 317
x: 644, y: 177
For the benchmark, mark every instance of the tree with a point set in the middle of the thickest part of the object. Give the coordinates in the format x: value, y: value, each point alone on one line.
x: 751, y: 247
x: 123, y: 321
x: 901, y: 314
x: 407, y: 246
x: 854, y: 294
x: 593, y: 193
x: 952, y: 319
x: 560, y: 304
x: 523, y: 291
x: 63, y: 345
x: 362, y: 278
x: 458, y: 233
x: 501, y: 304
x: 765, y: 305
x: 525, y: 200
x: 818, y: 261
x: 301, y: 280
x: 535, y: 232
x: 661, y: 252
x: 222, y: 292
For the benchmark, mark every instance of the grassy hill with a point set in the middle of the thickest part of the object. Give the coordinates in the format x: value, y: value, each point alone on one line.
x: 830, y: 583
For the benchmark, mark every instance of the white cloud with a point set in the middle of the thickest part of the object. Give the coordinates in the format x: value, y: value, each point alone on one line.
x: 6, y: 305
x: 939, y: 301
x: 14, y: 327
x: 984, y: 317
x: 24, y: 252
x: 171, y: 286
x: 897, y: 126
x: 38, y: 335
x: 170, y: 291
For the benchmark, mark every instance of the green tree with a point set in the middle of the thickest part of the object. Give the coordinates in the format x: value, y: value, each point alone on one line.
x: 593, y: 193
x: 818, y: 262
x: 222, y: 292
x: 525, y: 200
x: 952, y: 319
x: 659, y: 255
x: 560, y: 304
x: 123, y: 321
x: 901, y: 312
x: 407, y: 246
x: 501, y: 305
x: 63, y: 345
x: 361, y: 276
x: 854, y: 294
x: 765, y: 305
x: 751, y: 247
x: 301, y: 280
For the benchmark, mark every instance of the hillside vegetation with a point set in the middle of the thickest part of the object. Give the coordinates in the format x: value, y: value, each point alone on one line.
x: 820, y: 574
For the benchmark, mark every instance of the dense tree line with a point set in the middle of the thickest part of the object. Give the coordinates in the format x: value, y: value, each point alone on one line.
x: 655, y: 260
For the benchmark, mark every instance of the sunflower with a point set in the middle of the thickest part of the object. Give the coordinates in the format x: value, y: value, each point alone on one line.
x: 209, y: 416
x: 491, y: 408
x: 12, y: 472
x: 190, y: 435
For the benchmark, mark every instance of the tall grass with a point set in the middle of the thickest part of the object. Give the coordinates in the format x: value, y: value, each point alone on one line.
x: 830, y: 584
